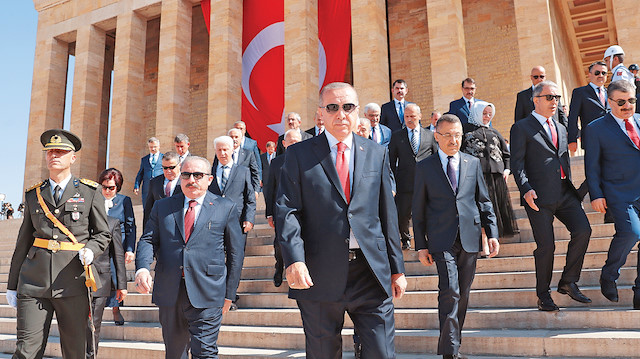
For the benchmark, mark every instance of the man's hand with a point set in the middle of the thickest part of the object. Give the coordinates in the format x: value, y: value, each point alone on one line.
x: 494, y: 247
x: 573, y: 147
x: 599, y: 204
x: 425, y: 258
x: 529, y: 197
x: 136, y: 191
x: 144, y: 282
x: 226, y: 306
x: 129, y: 257
x: 121, y: 294
x: 270, y: 219
x: 12, y: 298
x: 298, y: 276
x: 398, y: 285
x: 86, y: 256
x: 247, y: 226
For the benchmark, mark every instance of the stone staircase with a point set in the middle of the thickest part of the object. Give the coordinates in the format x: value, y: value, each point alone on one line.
x: 502, y: 322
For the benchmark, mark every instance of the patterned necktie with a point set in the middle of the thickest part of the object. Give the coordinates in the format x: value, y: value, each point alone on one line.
x: 631, y: 131
x: 189, y: 220
x: 602, y: 96
x: 374, y: 134
x: 224, y: 179
x: 153, y: 161
x: 342, y: 166
x: 56, y: 194
x: 554, y: 139
x: 401, y: 112
x: 167, y: 189
x: 451, y: 173
x: 414, y: 141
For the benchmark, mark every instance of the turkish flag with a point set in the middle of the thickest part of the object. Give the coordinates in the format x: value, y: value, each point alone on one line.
x: 334, y: 32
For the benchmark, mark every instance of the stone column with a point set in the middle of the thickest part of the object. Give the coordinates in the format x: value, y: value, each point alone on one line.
x: 173, y: 69
x: 626, y: 13
x: 447, y: 51
x: 47, y: 101
x: 301, y: 59
x: 87, y: 99
x: 370, y: 55
x: 127, y: 103
x: 225, y: 69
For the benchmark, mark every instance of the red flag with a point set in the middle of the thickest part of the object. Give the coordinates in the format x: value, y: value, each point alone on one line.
x: 206, y: 12
x: 334, y: 32
x: 263, y: 69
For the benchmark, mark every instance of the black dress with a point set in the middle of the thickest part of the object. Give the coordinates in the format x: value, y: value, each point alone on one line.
x: 487, y: 144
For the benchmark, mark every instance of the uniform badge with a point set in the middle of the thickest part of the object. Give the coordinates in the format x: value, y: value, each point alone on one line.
x: 75, y: 200
x: 619, y: 73
x: 75, y: 216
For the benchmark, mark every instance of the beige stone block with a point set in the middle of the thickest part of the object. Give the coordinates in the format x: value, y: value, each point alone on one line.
x: 626, y: 14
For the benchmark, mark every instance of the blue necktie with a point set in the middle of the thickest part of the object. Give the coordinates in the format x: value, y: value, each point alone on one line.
x: 223, y: 181
x: 401, y: 113
x: 153, y: 161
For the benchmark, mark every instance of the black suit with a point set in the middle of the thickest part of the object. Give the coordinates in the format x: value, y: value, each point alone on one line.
x: 586, y: 105
x: 238, y: 189
x: 389, y: 116
x: 270, y: 191
x: 448, y: 224
x: 156, y: 192
x: 280, y: 148
x: 403, y: 164
x: 536, y: 164
x: 311, y: 131
x: 524, y: 106
x: 265, y: 167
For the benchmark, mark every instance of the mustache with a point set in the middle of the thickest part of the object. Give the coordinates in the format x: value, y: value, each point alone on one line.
x: 192, y: 185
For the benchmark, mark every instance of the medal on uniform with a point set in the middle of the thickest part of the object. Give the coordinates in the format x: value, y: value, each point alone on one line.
x: 75, y: 216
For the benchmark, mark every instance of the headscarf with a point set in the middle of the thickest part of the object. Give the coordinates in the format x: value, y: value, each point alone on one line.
x: 475, y: 117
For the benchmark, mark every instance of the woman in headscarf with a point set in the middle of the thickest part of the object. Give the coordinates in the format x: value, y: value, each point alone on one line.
x: 486, y: 143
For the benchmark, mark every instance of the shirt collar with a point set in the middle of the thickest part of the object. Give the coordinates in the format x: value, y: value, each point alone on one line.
x: 410, y: 130
x: 445, y: 157
x: 62, y: 184
x: 621, y: 120
x: 397, y: 102
x: 539, y: 117
x: 594, y: 87
x: 199, y: 200
x: 334, y: 142
x: 229, y: 165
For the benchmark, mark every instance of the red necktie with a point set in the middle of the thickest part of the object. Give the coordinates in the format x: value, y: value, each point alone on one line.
x: 189, y: 219
x: 343, y: 170
x: 167, y: 189
x: 554, y: 139
x: 601, y: 95
x: 633, y: 135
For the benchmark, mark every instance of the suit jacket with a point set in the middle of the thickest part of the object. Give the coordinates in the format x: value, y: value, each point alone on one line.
x: 102, y: 263
x: 385, y: 135
x: 535, y: 161
x: 586, y: 105
x: 389, y: 116
x: 252, y: 146
x: 246, y: 158
x: 439, y: 214
x: 265, y: 167
x: 280, y: 147
x: 311, y: 131
x: 146, y: 173
x: 403, y: 161
x: 211, y: 261
x: 38, y: 272
x: 460, y: 108
x: 271, y: 186
x: 314, y: 219
x: 156, y: 192
x: 611, y: 162
x: 238, y: 189
x: 524, y: 107
x: 123, y: 210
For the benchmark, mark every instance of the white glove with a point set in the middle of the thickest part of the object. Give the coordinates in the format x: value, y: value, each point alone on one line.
x: 12, y: 298
x: 86, y: 256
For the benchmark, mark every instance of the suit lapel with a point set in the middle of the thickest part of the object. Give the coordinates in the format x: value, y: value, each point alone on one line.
x: 45, y: 190
x: 206, y: 211
x: 323, y: 153
x: 464, y: 165
x: 539, y: 128
x: 613, y: 125
x: 69, y: 191
x: 359, y: 158
x: 423, y: 142
x: 232, y: 174
x: 438, y: 164
x: 178, y: 203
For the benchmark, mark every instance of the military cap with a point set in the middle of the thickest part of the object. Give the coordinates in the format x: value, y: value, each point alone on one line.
x: 59, y: 139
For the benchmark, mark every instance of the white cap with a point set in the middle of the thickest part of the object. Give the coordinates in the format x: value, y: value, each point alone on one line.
x: 613, y: 50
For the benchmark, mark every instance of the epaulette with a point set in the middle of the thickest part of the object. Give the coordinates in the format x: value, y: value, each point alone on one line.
x: 89, y: 182
x: 34, y: 186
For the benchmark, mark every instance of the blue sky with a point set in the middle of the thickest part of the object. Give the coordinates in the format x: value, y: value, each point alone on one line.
x: 18, y: 23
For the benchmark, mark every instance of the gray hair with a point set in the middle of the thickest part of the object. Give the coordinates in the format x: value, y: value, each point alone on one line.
x: 181, y: 137
x: 223, y: 140
x: 620, y: 86
x: 234, y: 130
x: 154, y: 140
x: 335, y: 86
x: 295, y: 114
x: 414, y: 106
x: 170, y: 156
x: 202, y: 160
x: 448, y: 117
x: 371, y: 106
x: 292, y: 132
x: 364, y: 121
x: 537, y: 90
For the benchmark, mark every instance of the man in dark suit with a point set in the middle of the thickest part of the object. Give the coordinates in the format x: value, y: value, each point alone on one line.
x: 392, y: 114
x: 540, y: 165
x: 462, y: 106
x: 524, y: 99
x: 339, y: 234
x: 380, y: 134
x: 266, y: 159
x: 181, y: 143
x: 270, y: 189
x: 318, y: 128
x: 244, y: 157
x: 611, y: 165
x: 249, y: 144
x: 199, y: 249
x: 435, y: 116
x: 150, y: 166
x: 407, y: 147
x: 588, y: 103
x: 293, y: 123
x: 450, y: 205
x: 165, y: 185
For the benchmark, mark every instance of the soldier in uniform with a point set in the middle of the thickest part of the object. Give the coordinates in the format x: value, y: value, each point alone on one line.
x: 615, y: 56
x: 64, y: 228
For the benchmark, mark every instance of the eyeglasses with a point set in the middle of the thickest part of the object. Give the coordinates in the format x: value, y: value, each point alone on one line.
x: 598, y: 73
x: 333, y: 107
x: 551, y: 97
x: 622, y: 102
x: 469, y: 88
x: 449, y: 136
x: 109, y: 188
x: 538, y: 76
x: 196, y: 175
x: 169, y: 167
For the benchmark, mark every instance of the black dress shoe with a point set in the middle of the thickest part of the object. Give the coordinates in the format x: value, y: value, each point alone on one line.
x: 547, y: 305
x: 118, y: 318
x: 573, y: 291
x: 636, y: 300
x: 233, y: 307
x: 609, y: 289
x: 277, y: 278
x: 406, y: 245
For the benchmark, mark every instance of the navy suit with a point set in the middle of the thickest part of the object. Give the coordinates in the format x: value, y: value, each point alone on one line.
x: 448, y: 224
x: 245, y: 158
x: 265, y: 167
x: 238, y: 189
x: 585, y: 104
x: 315, y: 222
x: 524, y: 107
x: 611, y: 165
x: 156, y: 192
x: 270, y: 191
x: 536, y: 163
x: 146, y: 173
x: 311, y: 131
x: 123, y: 210
x: 192, y: 279
x: 384, y: 133
x: 389, y: 116
x: 252, y: 146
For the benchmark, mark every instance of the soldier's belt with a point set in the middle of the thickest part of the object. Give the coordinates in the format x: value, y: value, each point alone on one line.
x: 55, y: 246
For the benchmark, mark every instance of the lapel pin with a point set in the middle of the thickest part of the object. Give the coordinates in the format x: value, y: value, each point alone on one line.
x: 361, y: 149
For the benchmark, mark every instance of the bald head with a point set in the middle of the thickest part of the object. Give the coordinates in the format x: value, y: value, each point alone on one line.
x: 538, y: 74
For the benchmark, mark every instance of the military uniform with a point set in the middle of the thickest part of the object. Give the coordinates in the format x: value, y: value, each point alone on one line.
x: 621, y: 72
x: 46, y: 271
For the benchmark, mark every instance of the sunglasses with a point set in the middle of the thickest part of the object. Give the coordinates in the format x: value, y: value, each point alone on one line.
x: 538, y: 76
x: 622, y: 102
x: 196, y: 175
x: 109, y: 188
x: 333, y: 107
x: 449, y: 136
x: 598, y: 73
x: 551, y: 97
x: 169, y: 167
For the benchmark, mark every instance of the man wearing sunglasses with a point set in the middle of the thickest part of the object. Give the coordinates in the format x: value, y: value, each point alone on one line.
x: 339, y: 232
x: 524, y: 99
x: 165, y: 185
x: 540, y: 165
x: 199, y: 249
x: 588, y: 103
x: 611, y: 166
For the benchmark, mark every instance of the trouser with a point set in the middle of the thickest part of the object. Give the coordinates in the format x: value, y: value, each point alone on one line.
x: 97, y: 310
x: 403, y: 204
x: 627, y: 224
x: 34, y: 322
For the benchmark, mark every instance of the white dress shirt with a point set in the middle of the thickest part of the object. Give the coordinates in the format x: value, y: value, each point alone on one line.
x: 543, y: 122
x: 196, y: 209
x: 397, y: 104
x: 63, y: 185
x: 414, y: 132
x: 455, y: 162
x: 172, y: 188
x: 227, y: 171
